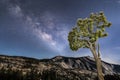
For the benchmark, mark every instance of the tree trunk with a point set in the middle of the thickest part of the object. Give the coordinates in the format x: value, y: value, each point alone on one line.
x: 99, y: 69
x: 98, y: 63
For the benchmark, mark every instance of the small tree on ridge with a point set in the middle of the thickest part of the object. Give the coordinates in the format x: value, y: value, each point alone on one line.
x: 86, y: 34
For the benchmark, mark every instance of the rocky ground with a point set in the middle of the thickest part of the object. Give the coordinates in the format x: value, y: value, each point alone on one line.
x: 57, y: 68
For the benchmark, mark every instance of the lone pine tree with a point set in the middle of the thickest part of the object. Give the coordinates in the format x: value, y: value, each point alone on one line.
x: 86, y: 34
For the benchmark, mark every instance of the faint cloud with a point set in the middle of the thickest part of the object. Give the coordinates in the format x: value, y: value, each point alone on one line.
x: 110, y: 60
x: 15, y: 11
x: 110, y: 56
x: 62, y: 31
x: 118, y: 48
x: 118, y: 1
x: 29, y: 21
x: 82, y: 53
x: 48, y: 20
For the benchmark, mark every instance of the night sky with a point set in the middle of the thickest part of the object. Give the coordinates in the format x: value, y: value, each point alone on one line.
x: 39, y: 28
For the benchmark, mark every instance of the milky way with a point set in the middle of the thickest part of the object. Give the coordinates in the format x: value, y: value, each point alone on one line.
x: 40, y: 28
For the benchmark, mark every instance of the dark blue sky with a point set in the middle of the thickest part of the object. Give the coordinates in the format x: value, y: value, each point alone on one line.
x: 39, y: 28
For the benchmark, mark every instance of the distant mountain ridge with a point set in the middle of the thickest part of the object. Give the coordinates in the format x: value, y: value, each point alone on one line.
x: 86, y: 63
x: 60, y: 65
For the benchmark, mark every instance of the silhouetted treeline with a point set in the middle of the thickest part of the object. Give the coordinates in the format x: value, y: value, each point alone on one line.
x: 9, y: 74
x: 111, y: 77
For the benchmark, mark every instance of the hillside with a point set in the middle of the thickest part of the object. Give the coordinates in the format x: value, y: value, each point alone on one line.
x: 57, y: 68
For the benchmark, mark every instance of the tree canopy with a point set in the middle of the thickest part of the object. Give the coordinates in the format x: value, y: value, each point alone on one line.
x: 88, y: 30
